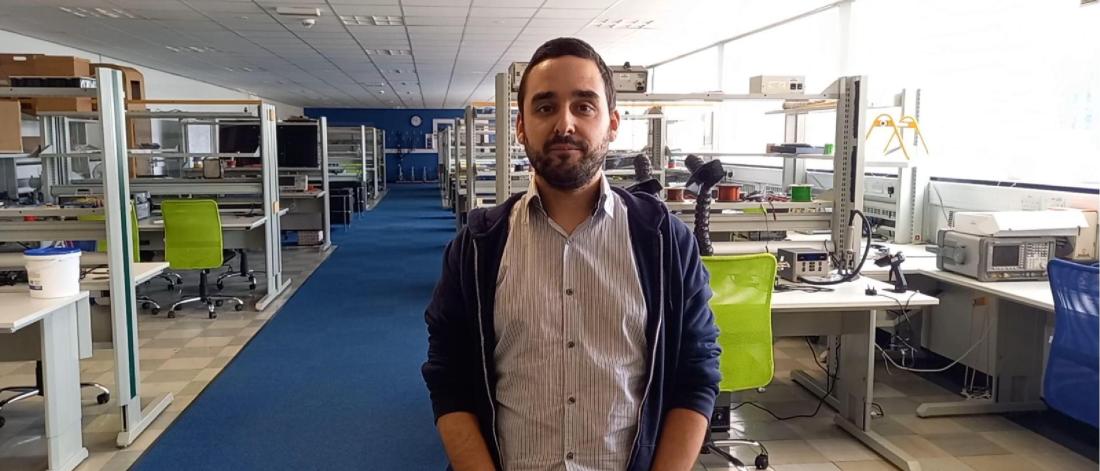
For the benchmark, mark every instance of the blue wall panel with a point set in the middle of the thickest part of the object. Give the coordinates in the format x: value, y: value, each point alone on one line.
x: 399, y: 133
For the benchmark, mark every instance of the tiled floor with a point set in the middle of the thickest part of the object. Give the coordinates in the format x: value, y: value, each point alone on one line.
x: 182, y: 355
x: 970, y: 443
x: 179, y: 356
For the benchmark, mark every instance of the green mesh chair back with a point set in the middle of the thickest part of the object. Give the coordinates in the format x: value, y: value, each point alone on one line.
x: 742, y: 303
x: 192, y: 234
x: 101, y: 245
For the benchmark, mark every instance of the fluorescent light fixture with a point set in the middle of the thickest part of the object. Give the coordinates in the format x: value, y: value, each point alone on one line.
x: 367, y: 20
x: 622, y: 23
x: 389, y: 52
x: 298, y: 11
x: 112, y: 13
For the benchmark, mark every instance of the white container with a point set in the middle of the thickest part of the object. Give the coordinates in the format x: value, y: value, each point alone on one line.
x: 53, y: 272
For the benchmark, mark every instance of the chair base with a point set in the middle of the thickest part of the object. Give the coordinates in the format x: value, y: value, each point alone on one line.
x: 244, y: 272
x: 204, y: 297
x: 27, y: 392
x: 716, y: 447
x: 211, y: 302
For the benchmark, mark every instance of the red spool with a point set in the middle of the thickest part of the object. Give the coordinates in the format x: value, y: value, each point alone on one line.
x: 729, y: 193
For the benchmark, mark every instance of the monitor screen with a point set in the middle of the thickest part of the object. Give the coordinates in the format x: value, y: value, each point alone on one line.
x: 297, y: 145
x: 1006, y: 255
x: 240, y: 139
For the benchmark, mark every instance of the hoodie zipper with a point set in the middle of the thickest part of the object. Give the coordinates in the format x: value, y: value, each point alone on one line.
x: 484, y: 365
x: 653, y: 351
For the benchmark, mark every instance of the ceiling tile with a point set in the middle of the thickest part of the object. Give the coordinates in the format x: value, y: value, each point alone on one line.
x: 435, y: 11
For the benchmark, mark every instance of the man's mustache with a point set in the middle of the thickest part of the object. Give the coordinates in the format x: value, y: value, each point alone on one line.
x: 562, y: 139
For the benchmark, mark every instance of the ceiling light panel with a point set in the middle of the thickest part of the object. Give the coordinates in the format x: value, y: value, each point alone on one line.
x: 372, y: 20
x: 623, y: 23
x: 92, y: 12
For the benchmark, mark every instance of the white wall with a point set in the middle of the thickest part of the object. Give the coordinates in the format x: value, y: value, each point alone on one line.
x: 158, y: 85
x: 1010, y: 90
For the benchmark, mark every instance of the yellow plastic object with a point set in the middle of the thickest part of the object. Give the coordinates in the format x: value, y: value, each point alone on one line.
x: 742, y: 305
x: 192, y: 234
x: 907, y: 122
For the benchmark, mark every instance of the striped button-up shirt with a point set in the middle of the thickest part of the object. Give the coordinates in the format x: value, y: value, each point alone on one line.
x: 571, y: 350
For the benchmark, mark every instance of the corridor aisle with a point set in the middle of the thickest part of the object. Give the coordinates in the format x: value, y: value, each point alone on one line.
x: 333, y: 380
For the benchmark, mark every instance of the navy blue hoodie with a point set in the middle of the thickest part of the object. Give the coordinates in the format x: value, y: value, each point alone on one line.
x: 680, y: 330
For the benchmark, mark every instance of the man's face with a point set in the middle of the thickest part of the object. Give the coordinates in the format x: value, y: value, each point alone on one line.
x: 566, y: 125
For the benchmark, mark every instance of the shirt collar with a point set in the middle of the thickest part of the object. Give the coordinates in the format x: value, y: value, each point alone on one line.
x: 606, y: 202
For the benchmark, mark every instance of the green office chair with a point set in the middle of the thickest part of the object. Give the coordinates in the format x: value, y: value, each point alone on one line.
x: 173, y: 279
x: 742, y: 287
x: 193, y: 241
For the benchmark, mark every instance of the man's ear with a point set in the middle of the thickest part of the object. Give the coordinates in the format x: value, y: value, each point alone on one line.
x: 613, y: 127
x: 521, y: 134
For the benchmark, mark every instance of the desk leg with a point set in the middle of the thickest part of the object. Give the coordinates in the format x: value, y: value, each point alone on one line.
x: 854, y: 388
x: 1016, y: 368
x: 61, y: 380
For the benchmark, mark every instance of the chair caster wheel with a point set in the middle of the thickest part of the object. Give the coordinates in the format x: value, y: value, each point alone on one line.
x: 171, y: 314
x: 218, y: 304
x: 252, y: 286
x: 2, y: 421
x: 238, y: 308
x: 154, y: 311
x: 103, y: 398
x: 221, y: 286
x: 761, y: 462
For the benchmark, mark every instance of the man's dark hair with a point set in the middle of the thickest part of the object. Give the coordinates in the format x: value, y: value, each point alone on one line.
x: 568, y: 47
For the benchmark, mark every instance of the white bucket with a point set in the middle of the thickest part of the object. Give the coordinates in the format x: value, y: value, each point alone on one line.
x: 53, y: 272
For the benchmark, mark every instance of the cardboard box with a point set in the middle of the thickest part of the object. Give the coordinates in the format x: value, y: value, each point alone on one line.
x: 15, y: 65
x: 10, y: 127
x: 61, y: 66
x: 38, y: 105
x: 311, y: 237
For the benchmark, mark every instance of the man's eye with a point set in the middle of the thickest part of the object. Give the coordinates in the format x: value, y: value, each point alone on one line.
x: 542, y: 109
x: 587, y: 108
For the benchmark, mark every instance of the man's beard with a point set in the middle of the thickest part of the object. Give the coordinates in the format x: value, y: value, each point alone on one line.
x: 561, y: 172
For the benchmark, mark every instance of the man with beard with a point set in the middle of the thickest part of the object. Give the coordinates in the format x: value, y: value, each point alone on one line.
x: 569, y: 329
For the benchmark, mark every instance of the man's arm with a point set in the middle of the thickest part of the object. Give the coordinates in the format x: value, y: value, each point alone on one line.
x: 681, y: 439
x: 452, y: 366
x: 462, y: 439
x: 692, y: 400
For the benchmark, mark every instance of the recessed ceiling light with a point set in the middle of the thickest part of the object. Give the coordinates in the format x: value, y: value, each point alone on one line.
x: 388, y: 52
x: 113, y: 13
x: 622, y: 23
x: 368, y: 20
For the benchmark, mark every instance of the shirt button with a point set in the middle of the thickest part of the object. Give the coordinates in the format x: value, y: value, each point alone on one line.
x: 572, y: 400
x: 569, y: 291
x: 569, y: 455
x: 570, y: 344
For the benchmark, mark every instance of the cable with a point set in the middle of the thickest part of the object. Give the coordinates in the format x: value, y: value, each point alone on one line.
x: 805, y: 288
x: 943, y: 208
x: 829, y: 378
x: 866, y: 251
x: 988, y: 327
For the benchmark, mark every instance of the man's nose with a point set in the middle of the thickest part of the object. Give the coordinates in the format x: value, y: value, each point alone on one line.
x: 566, y: 124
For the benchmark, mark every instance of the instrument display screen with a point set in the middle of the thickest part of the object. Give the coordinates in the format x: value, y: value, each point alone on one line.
x: 1006, y: 256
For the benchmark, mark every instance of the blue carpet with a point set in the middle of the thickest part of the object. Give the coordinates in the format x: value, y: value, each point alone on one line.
x: 332, y: 382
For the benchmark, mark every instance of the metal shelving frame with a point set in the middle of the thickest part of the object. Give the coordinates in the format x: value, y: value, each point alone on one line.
x: 300, y: 220
x: 110, y: 94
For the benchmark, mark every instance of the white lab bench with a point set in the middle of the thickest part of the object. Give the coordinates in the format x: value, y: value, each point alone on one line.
x: 847, y: 315
x: 60, y: 369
